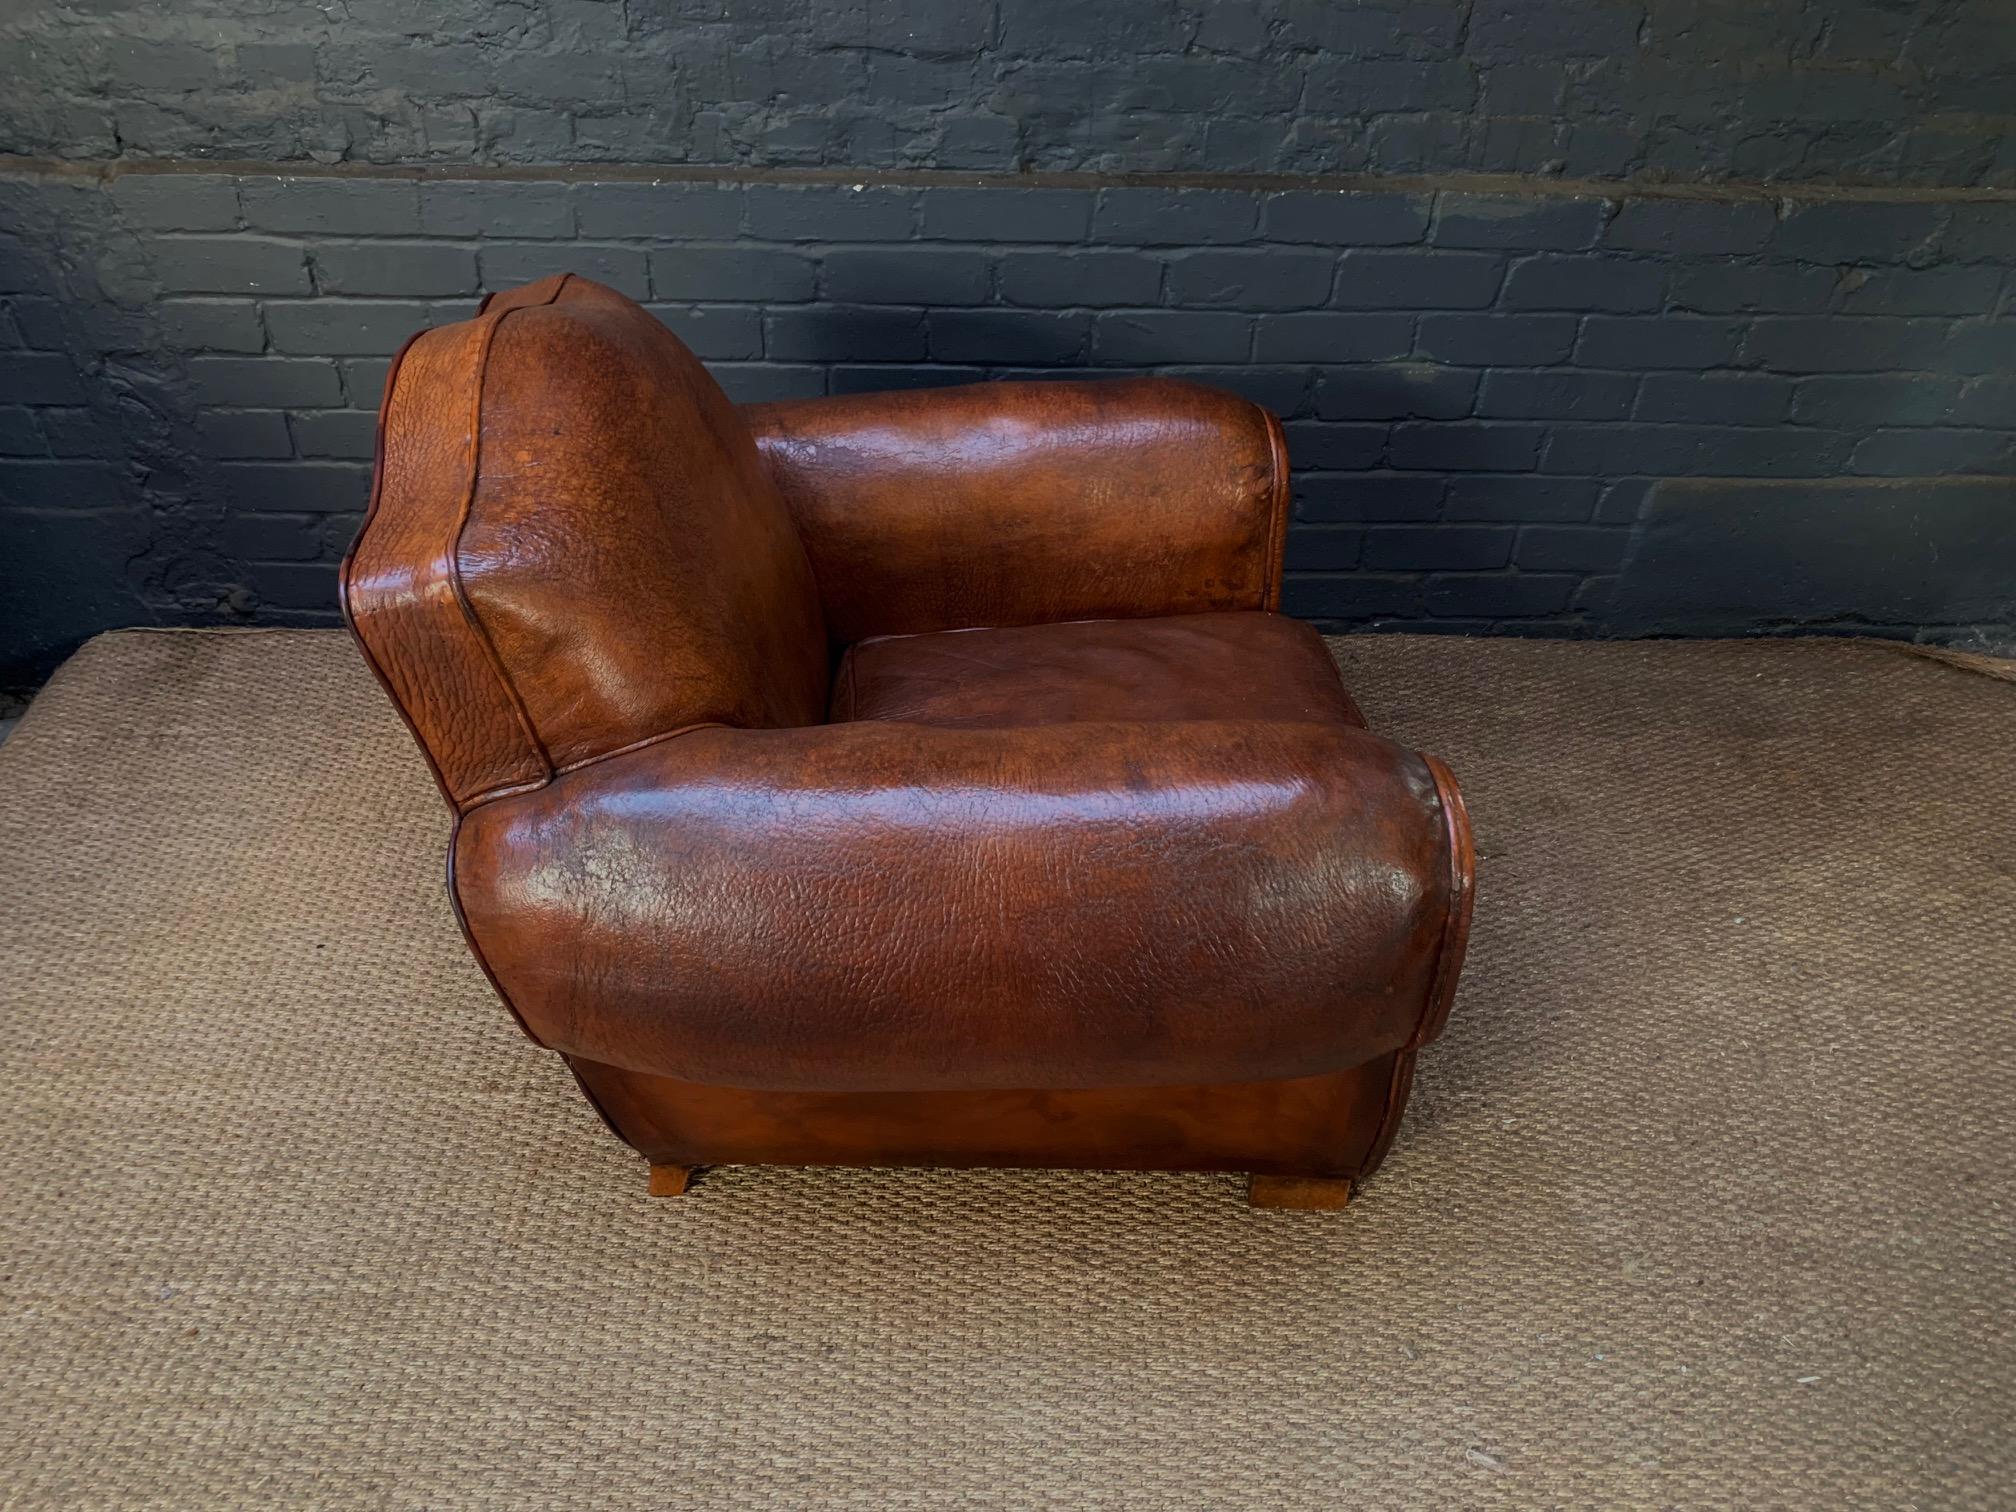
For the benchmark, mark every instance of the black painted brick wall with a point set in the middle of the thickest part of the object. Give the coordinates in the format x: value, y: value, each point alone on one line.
x: 1484, y: 393
x: 1866, y: 91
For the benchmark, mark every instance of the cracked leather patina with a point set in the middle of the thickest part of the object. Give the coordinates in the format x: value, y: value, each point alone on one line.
x: 1026, y: 503
x: 922, y: 776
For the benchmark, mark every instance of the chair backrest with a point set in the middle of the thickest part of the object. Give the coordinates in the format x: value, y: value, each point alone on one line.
x: 572, y: 546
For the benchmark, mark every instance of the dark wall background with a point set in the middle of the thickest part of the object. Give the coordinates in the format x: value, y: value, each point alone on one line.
x: 1864, y: 91
x: 1585, y: 317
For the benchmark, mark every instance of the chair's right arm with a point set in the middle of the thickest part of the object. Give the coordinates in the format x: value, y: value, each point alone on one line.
x: 1022, y: 503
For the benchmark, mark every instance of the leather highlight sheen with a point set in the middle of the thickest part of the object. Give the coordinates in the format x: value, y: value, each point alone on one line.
x: 876, y: 905
x: 918, y: 776
x: 1021, y: 503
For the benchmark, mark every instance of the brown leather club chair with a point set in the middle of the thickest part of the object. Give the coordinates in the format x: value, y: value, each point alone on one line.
x: 912, y: 778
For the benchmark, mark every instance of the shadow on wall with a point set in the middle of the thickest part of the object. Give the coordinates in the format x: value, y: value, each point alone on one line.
x: 1630, y: 448
x: 1515, y: 413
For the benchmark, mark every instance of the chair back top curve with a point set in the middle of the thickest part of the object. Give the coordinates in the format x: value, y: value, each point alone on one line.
x: 572, y: 546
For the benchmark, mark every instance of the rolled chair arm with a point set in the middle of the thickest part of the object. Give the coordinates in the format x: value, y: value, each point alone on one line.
x: 883, y: 906
x: 1020, y: 503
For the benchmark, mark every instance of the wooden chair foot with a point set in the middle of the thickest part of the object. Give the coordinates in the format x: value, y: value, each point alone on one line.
x: 1307, y: 1193
x: 670, y: 1180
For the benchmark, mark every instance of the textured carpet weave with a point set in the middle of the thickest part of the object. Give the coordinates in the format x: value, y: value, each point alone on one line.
x: 1708, y: 1197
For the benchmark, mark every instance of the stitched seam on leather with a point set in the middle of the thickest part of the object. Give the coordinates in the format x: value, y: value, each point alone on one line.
x: 513, y: 789
x: 508, y: 790
x: 1277, y: 517
x: 1389, y: 1116
x: 1453, y: 912
x: 469, y: 936
x: 497, y: 665
x: 574, y: 1069
x: 637, y: 745
x: 455, y: 889
x: 1459, y: 893
x: 346, y: 572
x: 503, y: 674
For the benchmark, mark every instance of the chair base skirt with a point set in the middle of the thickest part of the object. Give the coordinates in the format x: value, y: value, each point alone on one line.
x: 1307, y: 1142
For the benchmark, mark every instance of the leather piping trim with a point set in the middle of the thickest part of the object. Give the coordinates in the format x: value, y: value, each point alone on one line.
x: 343, y: 575
x: 848, y: 681
x: 574, y: 1070
x: 455, y: 891
x: 475, y: 946
x: 474, y: 470
x: 348, y: 565
x: 597, y: 759
x: 1398, y: 1086
x: 497, y: 665
x: 1462, y: 894
x: 1277, y: 524
x: 346, y: 570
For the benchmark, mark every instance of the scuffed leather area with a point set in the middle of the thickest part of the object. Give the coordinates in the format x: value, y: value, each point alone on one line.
x: 572, y: 546
x: 1153, y: 671
x: 1022, y: 503
x: 400, y: 586
x: 626, y: 551
x: 1125, y: 838
x: 886, y: 906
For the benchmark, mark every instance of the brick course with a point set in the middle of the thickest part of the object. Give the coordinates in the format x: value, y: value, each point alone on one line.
x: 1818, y: 90
x: 1480, y: 390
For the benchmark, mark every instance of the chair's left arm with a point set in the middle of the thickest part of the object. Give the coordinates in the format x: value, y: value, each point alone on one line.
x: 1021, y: 503
x: 874, y: 906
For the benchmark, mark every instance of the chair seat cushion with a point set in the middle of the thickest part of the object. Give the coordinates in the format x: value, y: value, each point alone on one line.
x: 1243, y: 666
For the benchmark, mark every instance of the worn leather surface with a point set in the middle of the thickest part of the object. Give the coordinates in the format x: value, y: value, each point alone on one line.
x: 1020, y: 503
x: 885, y: 906
x: 1201, y: 666
x: 400, y: 585
x: 1333, y: 1125
x: 604, y: 557
x: 1094, y: 862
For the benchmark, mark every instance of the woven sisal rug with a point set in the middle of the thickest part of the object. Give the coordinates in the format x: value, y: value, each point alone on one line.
x: 1708, y: 1197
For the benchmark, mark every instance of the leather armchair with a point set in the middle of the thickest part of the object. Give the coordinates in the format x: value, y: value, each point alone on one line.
x: 907, y: 778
